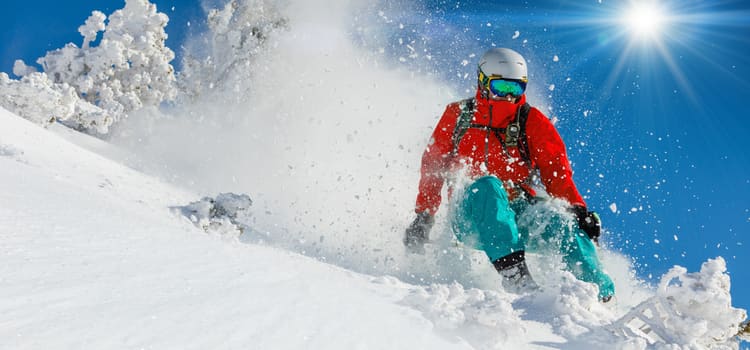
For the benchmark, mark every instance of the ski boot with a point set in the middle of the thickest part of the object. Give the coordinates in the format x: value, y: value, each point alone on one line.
x: 515, y: 273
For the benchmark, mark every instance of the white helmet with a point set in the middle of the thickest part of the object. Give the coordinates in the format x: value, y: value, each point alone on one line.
x: 503, y: 63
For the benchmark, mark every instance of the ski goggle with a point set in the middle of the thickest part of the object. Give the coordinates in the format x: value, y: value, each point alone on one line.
x: 502, y: 87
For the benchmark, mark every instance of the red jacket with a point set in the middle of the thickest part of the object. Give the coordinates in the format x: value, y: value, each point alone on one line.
x: 546, y: 151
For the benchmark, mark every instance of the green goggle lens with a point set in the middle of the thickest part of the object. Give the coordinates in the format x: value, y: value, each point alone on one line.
x: 503, y: 87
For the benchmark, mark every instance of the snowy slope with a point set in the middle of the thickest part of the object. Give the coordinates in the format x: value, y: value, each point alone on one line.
x: 95, y: 256
x: 92, y: 257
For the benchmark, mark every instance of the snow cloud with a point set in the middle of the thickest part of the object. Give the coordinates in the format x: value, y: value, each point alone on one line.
x: 324, y: 134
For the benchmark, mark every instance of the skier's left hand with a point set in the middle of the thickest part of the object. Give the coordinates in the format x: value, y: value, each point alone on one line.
x: 589, y: 222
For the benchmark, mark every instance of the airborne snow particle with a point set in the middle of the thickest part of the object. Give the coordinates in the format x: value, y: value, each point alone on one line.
x: 555, y: 59
x: 613, y: 207
x: 516, y: 35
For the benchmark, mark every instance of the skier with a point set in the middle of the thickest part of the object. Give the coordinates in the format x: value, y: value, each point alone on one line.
x: 501, y: 144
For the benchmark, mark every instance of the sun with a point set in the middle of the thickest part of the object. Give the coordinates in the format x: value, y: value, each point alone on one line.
x: 645, y: 20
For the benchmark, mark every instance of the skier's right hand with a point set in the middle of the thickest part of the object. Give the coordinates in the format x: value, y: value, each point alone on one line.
x: 418, y: 232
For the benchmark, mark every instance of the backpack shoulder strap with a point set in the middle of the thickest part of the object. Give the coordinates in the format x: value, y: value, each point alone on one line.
x: 523, y: 142
x: 463, y: 122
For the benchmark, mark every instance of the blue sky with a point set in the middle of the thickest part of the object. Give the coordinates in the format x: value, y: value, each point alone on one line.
x: 656, y: 126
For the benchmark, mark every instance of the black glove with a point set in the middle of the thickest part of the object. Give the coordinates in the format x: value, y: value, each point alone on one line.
x: 589, y: 222
x: 419, y: 231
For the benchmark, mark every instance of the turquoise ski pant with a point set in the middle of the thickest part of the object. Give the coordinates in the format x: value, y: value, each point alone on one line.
x: 485, y: 219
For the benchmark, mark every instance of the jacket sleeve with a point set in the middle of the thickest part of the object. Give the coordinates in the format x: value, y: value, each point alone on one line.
x: 547, y: 150
x: 436, y: 162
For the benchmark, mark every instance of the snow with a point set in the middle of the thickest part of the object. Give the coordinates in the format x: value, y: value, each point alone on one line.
x: 91, y: 28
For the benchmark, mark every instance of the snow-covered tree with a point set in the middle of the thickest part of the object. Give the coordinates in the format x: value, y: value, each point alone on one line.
x: 100, y: 82
x: 38, y: 99
x: 128, y: 70
x: 237, y: 33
